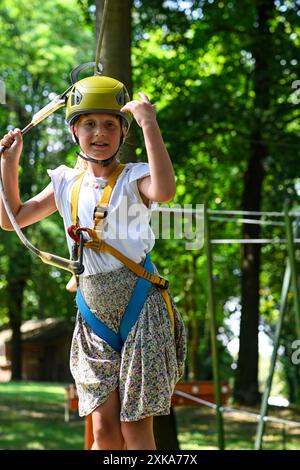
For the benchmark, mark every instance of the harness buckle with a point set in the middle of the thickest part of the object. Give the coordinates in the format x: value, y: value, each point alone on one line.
x: 100, y: 212
x: 163, y: 286
x: 72, y: 232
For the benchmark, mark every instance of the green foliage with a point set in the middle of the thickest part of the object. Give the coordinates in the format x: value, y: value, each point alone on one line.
x: 197, y: 64
x: 32, y: 417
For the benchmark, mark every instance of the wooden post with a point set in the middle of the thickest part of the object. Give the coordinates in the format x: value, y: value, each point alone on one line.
x: 88, y: 433
x: 165, y: 431
x: 293, y: 264
x: 264, y: 403
x: 213, y: 331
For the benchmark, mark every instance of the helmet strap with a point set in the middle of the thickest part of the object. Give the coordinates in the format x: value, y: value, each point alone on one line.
x: 106, y: 162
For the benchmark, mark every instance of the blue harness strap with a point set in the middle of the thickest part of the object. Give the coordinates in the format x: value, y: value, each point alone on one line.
x: 131, y: 314
x: 136, y: 302
x: 97, y: 325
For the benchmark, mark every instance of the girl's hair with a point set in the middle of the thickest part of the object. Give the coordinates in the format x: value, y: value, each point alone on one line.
x: 80, y: 164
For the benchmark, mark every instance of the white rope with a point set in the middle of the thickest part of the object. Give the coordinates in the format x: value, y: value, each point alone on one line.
x: 183, y: 210
x: 273, y: 214
x: 228, y: 409
x: 271, y: 419
x: 210, y: 211
x: 100, y: 38
x: 196, y: 399
x: 248, y: 221
x: 250, y: 241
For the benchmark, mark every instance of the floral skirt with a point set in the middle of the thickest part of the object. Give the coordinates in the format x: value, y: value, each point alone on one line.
x: 152, y: 357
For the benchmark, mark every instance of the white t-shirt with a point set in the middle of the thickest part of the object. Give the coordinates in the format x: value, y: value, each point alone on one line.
x: 127, y: 225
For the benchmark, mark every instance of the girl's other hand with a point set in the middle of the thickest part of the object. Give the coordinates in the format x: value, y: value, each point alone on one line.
x: 13, y: 141
x: 72, y: 285
x: 143, y: 111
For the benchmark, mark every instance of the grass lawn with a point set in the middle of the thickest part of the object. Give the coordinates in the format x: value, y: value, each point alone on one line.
x: 32, y: 417
x: 197, y: 430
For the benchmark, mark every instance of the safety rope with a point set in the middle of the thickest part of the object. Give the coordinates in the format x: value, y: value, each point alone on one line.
x: 241, y: 411
x: 97, y: 70
x: 47, y: 258
x: 73, y: 266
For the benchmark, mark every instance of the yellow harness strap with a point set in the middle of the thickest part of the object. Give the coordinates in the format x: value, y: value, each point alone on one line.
x: 96, y: 243
x: 75, y: 197
x: 101, y: 245
x: 102, y: 205
x: 101, y: 208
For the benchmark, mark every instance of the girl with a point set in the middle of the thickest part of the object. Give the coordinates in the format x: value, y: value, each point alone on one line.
x: 123, y: 384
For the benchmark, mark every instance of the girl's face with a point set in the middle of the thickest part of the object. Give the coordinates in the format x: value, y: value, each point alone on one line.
x: 99, y: 134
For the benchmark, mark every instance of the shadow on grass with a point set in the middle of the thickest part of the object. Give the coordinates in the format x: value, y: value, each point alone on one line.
x: 32, y: 417
x: 197, y: 430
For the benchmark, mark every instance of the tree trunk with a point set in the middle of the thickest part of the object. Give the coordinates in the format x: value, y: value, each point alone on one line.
x: 247, y: 371
x: 116, y: 54
x: 195, y: 322
x: 165, y: 432
x: 19, y: 265
x: 246, y: 386
x: 16, y: 348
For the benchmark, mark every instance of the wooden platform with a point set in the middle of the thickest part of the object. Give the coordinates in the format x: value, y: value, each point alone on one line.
x: 199, y: 389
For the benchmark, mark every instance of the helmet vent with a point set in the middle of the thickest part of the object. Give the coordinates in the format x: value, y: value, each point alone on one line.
x: 121, y: 99
x: 76, y: 98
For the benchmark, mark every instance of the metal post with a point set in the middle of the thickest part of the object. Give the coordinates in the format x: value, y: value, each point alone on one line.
x: 267, y: 390
x: 213, y: 332
x: 264, y: 403
x: 292, y: 259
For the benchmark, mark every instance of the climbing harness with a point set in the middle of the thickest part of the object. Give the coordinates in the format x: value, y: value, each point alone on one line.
x: 129, y: 318
x: 145, y: 273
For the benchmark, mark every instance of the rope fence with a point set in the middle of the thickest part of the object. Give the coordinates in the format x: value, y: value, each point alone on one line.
x: 229, y: 409
x: 290, y: 284
x: 249, y: 241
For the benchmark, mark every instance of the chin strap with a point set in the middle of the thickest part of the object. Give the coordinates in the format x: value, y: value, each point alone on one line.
x: 106, y: 162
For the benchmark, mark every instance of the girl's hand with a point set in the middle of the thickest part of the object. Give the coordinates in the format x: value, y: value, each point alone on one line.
x: 143, y: 111
x: 13, y: 141
x: 72, y: 285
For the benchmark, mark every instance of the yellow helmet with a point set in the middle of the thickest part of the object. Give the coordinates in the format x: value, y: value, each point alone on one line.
x: 97, y: 94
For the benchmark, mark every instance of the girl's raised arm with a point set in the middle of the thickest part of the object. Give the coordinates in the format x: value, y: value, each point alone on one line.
x: 36, y: 208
